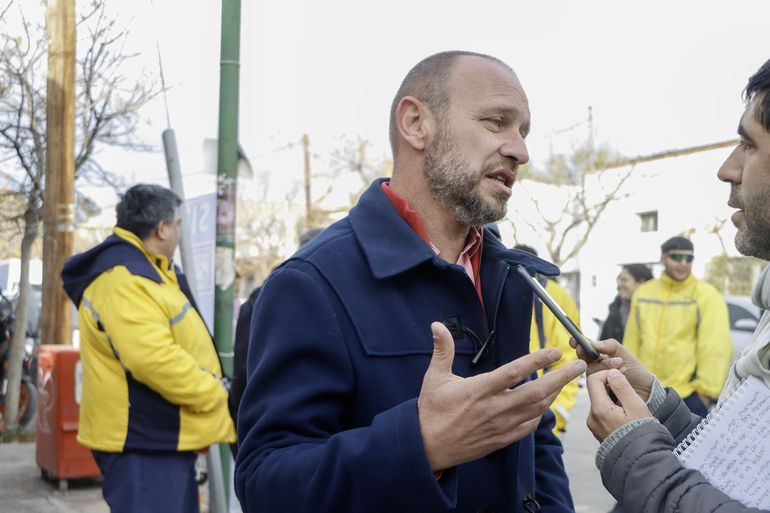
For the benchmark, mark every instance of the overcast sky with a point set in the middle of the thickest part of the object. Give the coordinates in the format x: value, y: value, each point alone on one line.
x: 658, y: 74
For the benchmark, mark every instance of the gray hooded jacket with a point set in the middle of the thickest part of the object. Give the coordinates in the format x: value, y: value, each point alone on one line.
x: 636, y: 462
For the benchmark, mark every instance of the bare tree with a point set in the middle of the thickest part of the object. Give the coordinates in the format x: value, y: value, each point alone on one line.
x: 265, y: 230
x: 565, y: 229
x: 106, y: 112
x: 731, y: 275
x: 352, y: 169
x: 590, y: 179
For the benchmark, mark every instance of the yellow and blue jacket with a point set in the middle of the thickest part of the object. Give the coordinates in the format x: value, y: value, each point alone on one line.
x: 680, y: 331
x: 555, y: 335
x: 151, y: 375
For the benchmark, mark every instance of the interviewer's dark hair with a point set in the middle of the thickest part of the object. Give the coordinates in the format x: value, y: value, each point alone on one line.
x: 759, y: 84
x: 640, y: 272
x: 144, y: 206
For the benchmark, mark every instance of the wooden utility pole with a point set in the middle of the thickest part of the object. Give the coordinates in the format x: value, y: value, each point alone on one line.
x: 59, y: 197
x: 308, y: 200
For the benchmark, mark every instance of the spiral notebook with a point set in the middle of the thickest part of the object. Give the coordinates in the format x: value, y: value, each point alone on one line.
x: 731, y: 447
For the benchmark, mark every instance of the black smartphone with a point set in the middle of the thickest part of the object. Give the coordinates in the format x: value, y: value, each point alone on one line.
x: 559, y: 313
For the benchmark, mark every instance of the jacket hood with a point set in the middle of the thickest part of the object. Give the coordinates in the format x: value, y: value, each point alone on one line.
x: 761, y: 295
x: 80, y: 270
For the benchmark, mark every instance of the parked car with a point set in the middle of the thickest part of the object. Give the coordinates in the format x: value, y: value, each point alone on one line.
x: 744, y: 317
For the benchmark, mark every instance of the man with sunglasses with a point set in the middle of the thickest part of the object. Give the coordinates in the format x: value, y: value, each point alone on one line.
x: 678, y: 327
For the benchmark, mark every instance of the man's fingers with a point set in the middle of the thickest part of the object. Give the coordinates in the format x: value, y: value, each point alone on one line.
x: 605, y: 363
x: 546, y: 388
x: 623, y: 390
x: 514, y: 372
x: 597, y: 390
x: 443, y: 349
x: 581, y: 352
x: 555, y: 380
x: 607, y: 347
x: 525, y: 428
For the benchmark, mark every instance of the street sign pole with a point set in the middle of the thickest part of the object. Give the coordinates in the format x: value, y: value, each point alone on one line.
x: 227, y: 169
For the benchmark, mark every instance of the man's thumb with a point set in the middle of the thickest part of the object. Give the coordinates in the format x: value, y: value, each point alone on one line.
x: 623, y: 390
x: 443, y: 348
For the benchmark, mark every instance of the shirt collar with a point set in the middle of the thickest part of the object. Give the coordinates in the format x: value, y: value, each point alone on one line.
x: 391, y: 246
x: 412, y: 218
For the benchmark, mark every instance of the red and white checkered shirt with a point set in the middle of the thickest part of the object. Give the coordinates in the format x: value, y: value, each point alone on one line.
x: 470, y: 256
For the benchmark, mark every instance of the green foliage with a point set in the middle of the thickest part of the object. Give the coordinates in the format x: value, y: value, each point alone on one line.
x: 733, y: 276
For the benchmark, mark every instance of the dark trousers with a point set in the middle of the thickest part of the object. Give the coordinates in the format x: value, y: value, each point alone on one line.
x: 149, y: 483
x: 696, y: 405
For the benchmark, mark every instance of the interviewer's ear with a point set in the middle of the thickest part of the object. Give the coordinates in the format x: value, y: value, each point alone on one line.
x: 415, y: 122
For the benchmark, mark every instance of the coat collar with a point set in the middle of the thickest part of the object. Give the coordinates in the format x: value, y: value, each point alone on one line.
x: 162, y: 262
x: 392, y: 247
x: 761, y: 294
x: 671, y: 282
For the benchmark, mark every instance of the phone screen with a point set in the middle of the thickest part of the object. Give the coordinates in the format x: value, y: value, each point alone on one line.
x: 559, y: 313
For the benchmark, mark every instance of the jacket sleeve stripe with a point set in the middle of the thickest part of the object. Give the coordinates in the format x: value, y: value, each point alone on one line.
x: 659, y: 302
x: 178, y: 317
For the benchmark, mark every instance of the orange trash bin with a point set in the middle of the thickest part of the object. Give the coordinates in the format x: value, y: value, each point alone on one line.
x: 58, y: 453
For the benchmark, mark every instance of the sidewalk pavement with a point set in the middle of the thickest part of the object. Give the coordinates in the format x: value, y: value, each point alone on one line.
x: 580, y: 446
x: 22, y: 490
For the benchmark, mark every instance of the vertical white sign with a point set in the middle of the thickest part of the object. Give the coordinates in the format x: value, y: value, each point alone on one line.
x: 201, y: 215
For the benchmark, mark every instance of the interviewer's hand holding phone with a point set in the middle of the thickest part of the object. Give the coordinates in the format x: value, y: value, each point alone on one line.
x: 609, y: 413
x: 615, y: 356
x: 464, y: 419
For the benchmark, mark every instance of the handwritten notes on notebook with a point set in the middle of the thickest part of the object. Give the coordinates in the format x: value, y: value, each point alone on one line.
x: 731, y: 447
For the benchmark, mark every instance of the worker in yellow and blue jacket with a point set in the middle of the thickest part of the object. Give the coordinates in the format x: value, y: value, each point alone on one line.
x: 153, y: 390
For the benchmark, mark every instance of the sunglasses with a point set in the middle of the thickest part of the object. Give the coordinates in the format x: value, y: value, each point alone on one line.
x: 681, y: 257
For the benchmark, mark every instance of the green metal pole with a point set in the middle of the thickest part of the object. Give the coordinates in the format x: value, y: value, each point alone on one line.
x: 227, y: 166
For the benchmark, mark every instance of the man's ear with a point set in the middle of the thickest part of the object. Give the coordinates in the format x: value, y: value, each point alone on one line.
x: 415, y: 122
x: 161, y: 230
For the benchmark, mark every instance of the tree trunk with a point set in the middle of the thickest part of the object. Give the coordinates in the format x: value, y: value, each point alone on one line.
x: 16, y: 353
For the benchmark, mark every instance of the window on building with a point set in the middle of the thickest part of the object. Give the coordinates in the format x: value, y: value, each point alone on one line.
x: 649, y: 221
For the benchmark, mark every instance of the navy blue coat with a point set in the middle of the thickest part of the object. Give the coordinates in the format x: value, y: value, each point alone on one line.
x: 339, y: 345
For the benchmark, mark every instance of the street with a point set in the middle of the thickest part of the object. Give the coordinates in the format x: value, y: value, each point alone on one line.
x: 580, y: 448
x: 23, y: 491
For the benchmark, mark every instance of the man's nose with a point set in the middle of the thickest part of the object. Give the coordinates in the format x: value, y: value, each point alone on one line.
x: 731, y: 169
x: 515, y: 148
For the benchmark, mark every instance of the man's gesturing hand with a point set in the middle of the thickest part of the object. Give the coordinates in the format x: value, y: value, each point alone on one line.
x: 463, y: 419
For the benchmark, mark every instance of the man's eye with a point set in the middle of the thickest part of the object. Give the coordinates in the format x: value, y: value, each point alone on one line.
x: 495, y: 122
x: 744, y: 145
